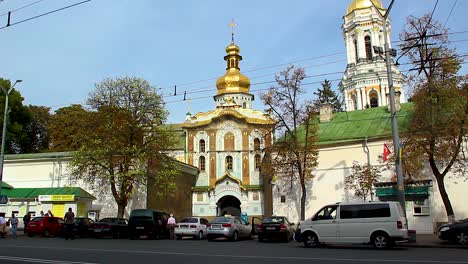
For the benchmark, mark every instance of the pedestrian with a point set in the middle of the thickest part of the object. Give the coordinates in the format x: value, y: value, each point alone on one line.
x: 69, y: 224
x: 49, y: 213
x: 2, y: 225
x: 26, y: 220
x: 14, y: 225
x: 42, y: 213
x: 171, y: 222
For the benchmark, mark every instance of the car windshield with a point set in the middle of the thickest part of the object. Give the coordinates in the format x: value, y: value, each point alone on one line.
x: 221, y: 219
x: 37, y: 219
x: 189, y: 220
x: 108, y: 220
x: 142, y: 214
x: 273, y: 220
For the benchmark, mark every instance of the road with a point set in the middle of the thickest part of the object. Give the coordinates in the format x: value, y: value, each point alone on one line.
x: 55, y: 250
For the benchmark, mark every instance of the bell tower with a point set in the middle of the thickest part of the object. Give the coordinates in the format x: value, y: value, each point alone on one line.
x: 365, y: 83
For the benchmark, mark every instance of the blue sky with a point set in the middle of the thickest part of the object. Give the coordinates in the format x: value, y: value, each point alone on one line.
x: 61, y: 56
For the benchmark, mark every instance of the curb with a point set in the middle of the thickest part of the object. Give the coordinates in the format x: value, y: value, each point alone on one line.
x: 433, y: 246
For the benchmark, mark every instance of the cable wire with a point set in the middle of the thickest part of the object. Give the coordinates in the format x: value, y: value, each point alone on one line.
x: 19, y: 8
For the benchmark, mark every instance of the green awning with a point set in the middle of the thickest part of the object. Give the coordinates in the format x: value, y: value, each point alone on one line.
x: 31, y: 193
x: 409, y: 190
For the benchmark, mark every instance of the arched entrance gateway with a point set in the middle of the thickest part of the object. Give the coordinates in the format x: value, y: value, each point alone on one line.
x: 228, y: 205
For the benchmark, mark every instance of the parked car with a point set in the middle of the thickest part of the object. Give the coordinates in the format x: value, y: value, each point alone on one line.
x: 380, y: 223
x: 276, y: 227
x: 191, y: 226
x: 82, y: 227
x: 231, y: 227
x: 455, y: 232
x: 44, y: 225
x: 114, y: 227
x: 148, y: 223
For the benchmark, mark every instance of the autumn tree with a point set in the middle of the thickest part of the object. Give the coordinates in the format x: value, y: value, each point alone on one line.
x: 18, y: 118
x: 326, y: 95
x: 66, y: 128
x: 37, y: 130
x: 440, y: 96
x: 362, y: 179
x: 124, y: 134
x: 295, y: 155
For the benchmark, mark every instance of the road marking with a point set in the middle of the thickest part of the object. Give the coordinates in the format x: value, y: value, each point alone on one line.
x: 242, y: 256
x: 36, y: 260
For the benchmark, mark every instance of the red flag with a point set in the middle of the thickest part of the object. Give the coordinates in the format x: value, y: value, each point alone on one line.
x: 386, y: 152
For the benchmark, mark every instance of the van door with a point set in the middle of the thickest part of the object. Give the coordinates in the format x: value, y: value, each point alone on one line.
x: 325, y: 224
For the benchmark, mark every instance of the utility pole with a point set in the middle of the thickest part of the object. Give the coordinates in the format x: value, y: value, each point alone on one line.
x: 396, y: 138
x: 5, y: 116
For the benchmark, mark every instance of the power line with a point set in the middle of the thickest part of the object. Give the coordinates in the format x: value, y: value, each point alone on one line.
x: 19, y: 8
x: 451, y: 10
x: 44, y: 14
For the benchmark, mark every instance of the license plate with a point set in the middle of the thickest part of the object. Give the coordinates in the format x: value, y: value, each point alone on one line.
x: 97, y: 230
x: 140, y: 227
x: 270, y: 228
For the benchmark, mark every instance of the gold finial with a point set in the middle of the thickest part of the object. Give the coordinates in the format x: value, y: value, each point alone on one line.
x: 232, y: 25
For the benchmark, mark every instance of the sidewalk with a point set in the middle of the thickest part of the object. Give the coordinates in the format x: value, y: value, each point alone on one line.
x: 431, y: 241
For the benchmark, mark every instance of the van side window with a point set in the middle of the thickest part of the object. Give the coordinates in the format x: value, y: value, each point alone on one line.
x: 364, y: 211
x: 327, y: 213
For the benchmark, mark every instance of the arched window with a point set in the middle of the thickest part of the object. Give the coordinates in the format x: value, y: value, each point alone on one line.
x: 355, y: 50
x: 201, y: 163
x: 257, y: 161
x: 368, y: 44
x: 256, y: 144
x: 229, y: 141
x: 244, y: 105
x: 202, y: 146
x: 374, y: 99
x: 229, y: 163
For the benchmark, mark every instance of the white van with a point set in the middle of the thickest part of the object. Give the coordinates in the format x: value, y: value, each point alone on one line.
x: 380, y: 223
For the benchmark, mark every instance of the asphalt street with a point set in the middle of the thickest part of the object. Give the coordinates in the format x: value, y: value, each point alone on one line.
x: 56, y: 250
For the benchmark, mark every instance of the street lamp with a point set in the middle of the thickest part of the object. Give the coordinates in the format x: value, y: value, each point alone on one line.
x: 5, y: 115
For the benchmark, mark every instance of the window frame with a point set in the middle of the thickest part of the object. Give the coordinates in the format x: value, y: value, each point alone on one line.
x: 202, y: 163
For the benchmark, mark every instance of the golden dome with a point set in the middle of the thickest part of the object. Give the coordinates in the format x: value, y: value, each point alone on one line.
x: 233, y: 80
x: 359, y: 4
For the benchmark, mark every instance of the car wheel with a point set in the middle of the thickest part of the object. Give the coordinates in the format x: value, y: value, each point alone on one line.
x: 462, y: 238
x: 381, y: 241
x: 200, y: 235
x: 311, y: 240
x: 46, y: 233
x: 235, y: 236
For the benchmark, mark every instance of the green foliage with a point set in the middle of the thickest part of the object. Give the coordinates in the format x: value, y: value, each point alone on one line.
x: 327, y: 95
x: 37, y: 131
x: 66, y: 128
x: 123, y: 139
x: 18, y: 118
x: 362, y: 179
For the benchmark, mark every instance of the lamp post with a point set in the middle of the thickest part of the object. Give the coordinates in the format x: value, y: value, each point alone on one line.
x: 393, y: 109
x: 5, y: 115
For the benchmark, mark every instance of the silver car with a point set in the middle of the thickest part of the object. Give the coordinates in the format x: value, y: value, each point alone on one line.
x: 230, y: 227
x: 191, y: 226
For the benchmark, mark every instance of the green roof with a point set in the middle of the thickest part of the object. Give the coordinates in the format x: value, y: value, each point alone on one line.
x: 373, y: 123
x: 5, y: 185
x: 35, y: 192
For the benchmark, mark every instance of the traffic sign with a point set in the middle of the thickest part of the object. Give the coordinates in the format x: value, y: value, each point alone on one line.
x: 3, y: 199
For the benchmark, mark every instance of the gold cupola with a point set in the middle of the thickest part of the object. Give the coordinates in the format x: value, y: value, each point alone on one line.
x: 233, y: 80
x: 360, y: 4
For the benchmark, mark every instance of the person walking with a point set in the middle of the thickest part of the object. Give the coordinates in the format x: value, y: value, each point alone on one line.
x: 14, y: 225
x: 171, y: 222
x: 26, y: 220
x: 69, y: 224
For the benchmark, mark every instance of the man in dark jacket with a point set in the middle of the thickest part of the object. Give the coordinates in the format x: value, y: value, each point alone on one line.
x: 26, y: 220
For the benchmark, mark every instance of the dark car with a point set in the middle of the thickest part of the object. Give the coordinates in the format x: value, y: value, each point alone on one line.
x: 81, y: 228
x: 113, y: 227
x: 276, y: 227
x: 455, y: 232
x: 148, y: 223
x: 44, y: 226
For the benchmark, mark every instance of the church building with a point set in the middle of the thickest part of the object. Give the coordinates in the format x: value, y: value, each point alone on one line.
x: 226, y: 145
x: 364, y: 84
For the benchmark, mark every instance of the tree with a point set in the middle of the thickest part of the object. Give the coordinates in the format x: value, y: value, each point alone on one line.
x: 37, y: 130
x: 123, y: 135
x: 440, y: 96
x: 295, y: 155
x: 66, y: 128
x: 362, y: 179
x: 18, y: 118
x: 327, y: 95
